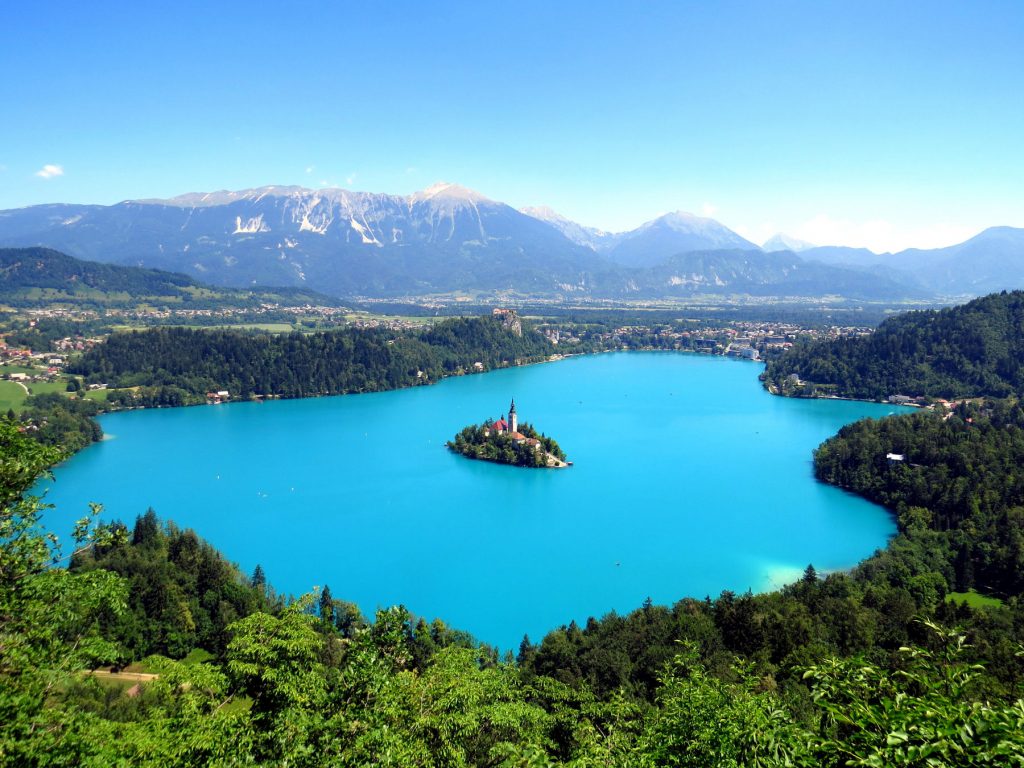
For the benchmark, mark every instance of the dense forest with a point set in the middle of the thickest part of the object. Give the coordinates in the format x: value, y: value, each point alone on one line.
x: 176, y: 366
x: 64, y: 422
x: 481, y: 441
x: 957, y: 474
x: 965, y: 351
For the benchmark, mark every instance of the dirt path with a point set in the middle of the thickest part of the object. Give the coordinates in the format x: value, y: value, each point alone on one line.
x: 135, y: 677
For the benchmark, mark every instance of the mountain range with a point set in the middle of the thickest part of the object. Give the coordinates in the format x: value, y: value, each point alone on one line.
x: 449, y: 239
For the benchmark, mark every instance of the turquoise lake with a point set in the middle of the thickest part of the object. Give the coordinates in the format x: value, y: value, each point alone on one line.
x: 689, y: 479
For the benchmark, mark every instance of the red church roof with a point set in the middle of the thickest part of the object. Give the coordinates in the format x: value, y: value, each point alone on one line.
x: 499, y: 425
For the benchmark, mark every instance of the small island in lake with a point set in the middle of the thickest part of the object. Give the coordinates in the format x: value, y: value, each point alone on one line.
x: 509, y: 442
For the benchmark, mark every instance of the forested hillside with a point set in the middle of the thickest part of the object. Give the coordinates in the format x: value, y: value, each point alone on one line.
x: 182, y: 593
x: 30, y: 276
x: 179, y: 365
x: 966, y: 351
x: 959, y: 476
x: 46, y: 268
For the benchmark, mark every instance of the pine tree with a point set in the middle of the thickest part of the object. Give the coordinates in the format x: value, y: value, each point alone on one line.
x: 258, y: 579
x: 147, y: 528
x: 326, y: 607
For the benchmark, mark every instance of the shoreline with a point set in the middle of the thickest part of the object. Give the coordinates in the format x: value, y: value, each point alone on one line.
x: 560, y: 465
x: 765, y: 588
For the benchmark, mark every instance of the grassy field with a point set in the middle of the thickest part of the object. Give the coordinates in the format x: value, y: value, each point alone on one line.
x: 268, y: 327
x: 11, y: 396
x: 974, y: 599
x: 198, y: 656
x: 99, y: 395
x: 413, y: 319
x: 45, y: 387
x: 5, y: 369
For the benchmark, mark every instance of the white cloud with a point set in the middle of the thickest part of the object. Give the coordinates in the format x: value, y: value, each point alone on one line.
x: 309, y: 169
x: 50, y: 171
x: 350, y: 179
x: 880, y: 235
x: 708, y: 210
x: 411, y: 169
x: 758, y: 233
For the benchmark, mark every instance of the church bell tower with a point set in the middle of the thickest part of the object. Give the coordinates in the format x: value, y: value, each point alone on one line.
x: 513, y: 420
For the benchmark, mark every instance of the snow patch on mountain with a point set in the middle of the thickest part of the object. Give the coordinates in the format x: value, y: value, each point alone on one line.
x: 250, y: 226
x: 314, y: 218
x: 591, y: 237
x: 366, y: 234
x: 445, y: 190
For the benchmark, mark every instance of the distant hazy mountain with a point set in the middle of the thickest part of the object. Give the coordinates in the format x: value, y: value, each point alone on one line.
x: 650, y: 243
x: 990, y: 261
x: 783, y: 242
x: 671, y: 234
x: 591, y: 237
x: 447, y: 239
x: 756, y: 273
x: 839, y: 254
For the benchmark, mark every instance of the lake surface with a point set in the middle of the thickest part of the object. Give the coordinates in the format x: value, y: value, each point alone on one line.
x: 689, y: 479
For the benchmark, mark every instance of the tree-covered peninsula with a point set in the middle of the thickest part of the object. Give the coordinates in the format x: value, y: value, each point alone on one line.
x: 179, y: 366
x: 509, y: 442
x: 966, y: 351
x: 175, y: 366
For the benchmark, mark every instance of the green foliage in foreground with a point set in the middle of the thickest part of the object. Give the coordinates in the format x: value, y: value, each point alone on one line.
x: 482, y: 442
x: 182, y: 593
x: 48, y: 616
x: 968, y: 351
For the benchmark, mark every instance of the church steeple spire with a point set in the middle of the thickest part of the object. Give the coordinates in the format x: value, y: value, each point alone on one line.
x: 513, y: 420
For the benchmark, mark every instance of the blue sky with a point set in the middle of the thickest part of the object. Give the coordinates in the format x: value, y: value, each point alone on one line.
x: 879, y: 124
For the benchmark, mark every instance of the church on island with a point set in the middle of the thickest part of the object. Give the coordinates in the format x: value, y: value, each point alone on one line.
x: 503, y: 442
x: 511, y: 428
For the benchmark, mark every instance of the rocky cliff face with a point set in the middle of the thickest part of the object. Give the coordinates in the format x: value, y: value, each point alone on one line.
x: 510, y: 320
